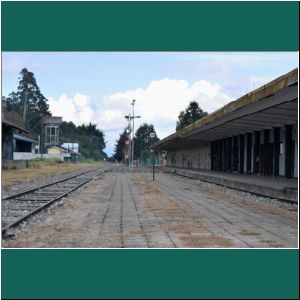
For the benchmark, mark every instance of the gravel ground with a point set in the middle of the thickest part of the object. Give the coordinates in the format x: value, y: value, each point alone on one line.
x: 29, y: 184
x: 25, y: 226
x: 249, y: 197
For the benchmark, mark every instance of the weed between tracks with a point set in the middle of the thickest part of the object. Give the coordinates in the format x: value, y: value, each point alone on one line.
x: 206, y: 241
x: 249, y: 233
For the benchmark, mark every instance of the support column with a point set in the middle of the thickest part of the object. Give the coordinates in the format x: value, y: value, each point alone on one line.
x: 288, y: 151
x: 212, y: 156
x: 235, y: 157
x: 216, y: 161
x: 242, y: 151
x: 256, y: 160
x: 224, y: 155
x: 276, y: 150
x: 220, y: 155
x: 249, y: 152
x: 267, y: 152
x: 229, y: 153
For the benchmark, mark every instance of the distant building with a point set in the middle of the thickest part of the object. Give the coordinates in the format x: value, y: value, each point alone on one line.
x: 51, y: 131
x: 74, y: 147
x: 56, y: 150
x: 67, y: 154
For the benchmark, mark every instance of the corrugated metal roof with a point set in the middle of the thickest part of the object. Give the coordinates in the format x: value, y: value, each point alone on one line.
x: 23, y: 138
x: 12, y: 124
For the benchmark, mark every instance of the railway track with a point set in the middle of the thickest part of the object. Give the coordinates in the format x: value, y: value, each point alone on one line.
x: 18, y: 207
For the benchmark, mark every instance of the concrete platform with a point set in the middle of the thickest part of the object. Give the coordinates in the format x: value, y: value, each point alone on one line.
x: 127, y: 209
x: 279, y: 188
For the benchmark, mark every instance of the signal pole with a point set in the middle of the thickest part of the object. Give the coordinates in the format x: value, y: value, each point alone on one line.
x: 132, y: 143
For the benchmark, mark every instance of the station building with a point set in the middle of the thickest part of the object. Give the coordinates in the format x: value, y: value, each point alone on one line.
x: 10, y: 122
x: 24, y: 144
x: 255, y: 134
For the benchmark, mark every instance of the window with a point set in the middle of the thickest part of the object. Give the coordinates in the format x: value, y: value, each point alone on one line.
x: 51, y: 134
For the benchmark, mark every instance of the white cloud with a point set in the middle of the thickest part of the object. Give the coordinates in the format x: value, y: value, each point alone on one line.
x: 159, y: 103
x: 259, y: 81
x: 77, y: 109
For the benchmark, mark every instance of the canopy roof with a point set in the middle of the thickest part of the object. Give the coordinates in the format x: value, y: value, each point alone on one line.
x: 272, y: 105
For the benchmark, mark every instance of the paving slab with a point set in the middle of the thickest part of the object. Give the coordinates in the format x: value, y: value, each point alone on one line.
x: 127, y: 209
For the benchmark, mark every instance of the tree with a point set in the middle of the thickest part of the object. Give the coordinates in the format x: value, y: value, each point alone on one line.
x: 143, y: 141
x: 119, y: 146
x: 90, y: 139
x: 29, y: 102
x: 191, y: 114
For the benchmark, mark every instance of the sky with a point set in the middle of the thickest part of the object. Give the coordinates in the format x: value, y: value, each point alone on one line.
x: 98, y: 87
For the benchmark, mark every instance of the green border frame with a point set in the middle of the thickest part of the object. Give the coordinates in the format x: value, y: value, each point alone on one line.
x: 132, y: 274
x: 150, y: 26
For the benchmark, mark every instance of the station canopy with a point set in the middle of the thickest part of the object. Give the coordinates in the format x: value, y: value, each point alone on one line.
x: 272, y: 105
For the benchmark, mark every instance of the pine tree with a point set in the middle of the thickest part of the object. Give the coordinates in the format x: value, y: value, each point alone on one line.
x: 119, y: 146
x: 29, y: 102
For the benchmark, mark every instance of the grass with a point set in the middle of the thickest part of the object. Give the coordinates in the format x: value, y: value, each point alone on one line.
x: 38, y: 163
x: 206, y: 241
x: 288, y: 189
x: 41, y: 168
x: 88, y: 161
x: 249, y: 233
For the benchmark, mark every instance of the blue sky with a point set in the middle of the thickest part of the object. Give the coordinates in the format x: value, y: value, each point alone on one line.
x: 99, y: 86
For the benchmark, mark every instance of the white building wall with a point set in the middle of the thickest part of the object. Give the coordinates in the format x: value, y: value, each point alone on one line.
x: 30, y: 156
x: 197, y: 157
